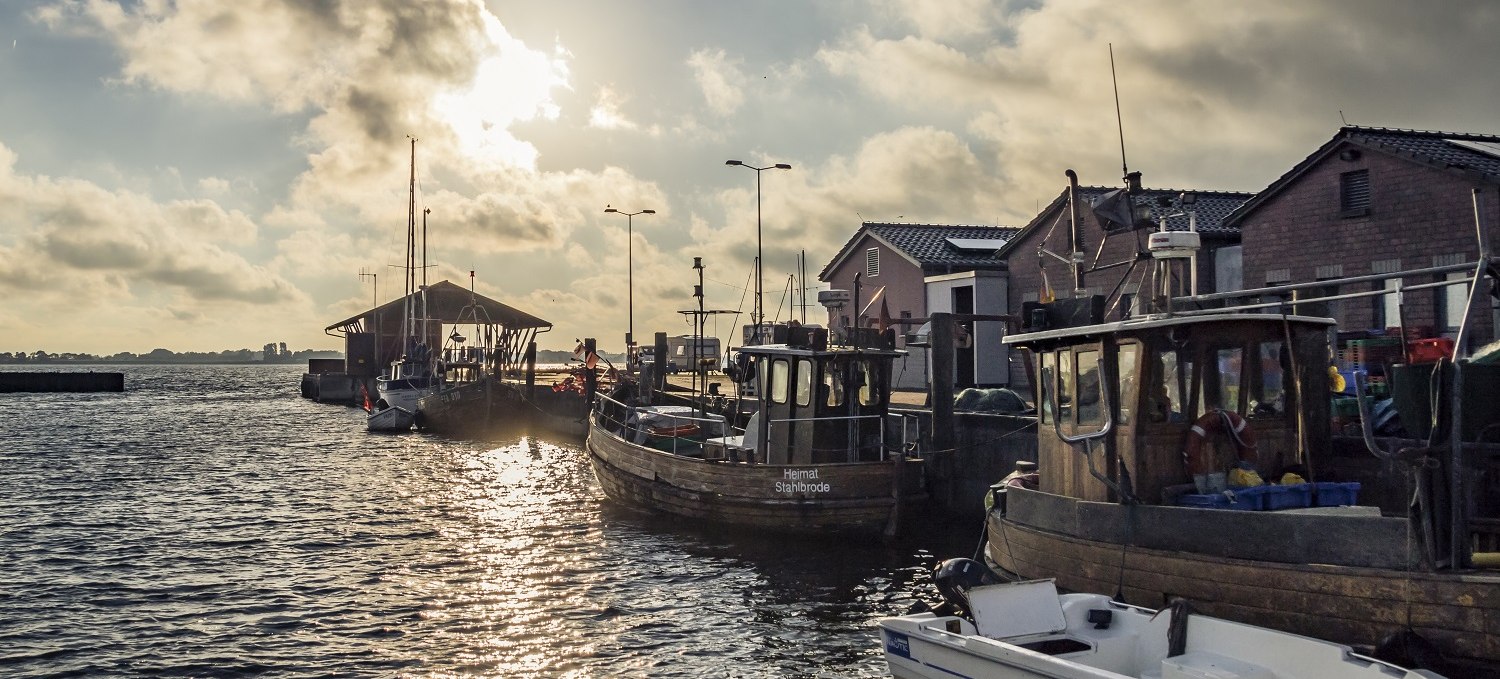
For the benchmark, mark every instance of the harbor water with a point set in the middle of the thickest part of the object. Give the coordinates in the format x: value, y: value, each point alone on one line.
x: 208, y: 522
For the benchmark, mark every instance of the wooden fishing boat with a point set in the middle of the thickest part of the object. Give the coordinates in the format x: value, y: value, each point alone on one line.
x: 821, y: 454
x: 1138, y: 416
x: 1027, y: 629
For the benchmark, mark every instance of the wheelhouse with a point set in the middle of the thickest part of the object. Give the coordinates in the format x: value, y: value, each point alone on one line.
x: 1137, y: 387
x: 820, y: 405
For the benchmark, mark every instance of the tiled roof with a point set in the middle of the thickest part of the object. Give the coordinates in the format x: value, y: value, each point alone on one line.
x: 1443, y: 149
x: 1478, y: 154
x: 928, y: 244
x: 1211, y: 206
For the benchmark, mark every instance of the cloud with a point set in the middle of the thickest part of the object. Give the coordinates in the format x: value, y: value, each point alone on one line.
x: 72, y: 238
x: 720, y: 79
x: 606, y: 114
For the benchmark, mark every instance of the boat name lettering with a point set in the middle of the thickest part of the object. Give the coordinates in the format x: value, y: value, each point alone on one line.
x: 897, y: 643
x: 800, y: 474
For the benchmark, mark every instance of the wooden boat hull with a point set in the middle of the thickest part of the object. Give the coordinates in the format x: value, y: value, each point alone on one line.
x: 852, y: 497
x: 1350, y: 604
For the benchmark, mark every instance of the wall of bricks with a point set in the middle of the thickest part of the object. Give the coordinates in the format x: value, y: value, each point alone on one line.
x: 1418, y: 214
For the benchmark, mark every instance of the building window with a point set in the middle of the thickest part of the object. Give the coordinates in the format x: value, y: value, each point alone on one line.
x: 1278, y: 276
x: 1453, y: 301
x: 1386, y: 309
x: 872, y: 262
x: 1354, y: 193
x: 1229, y: 271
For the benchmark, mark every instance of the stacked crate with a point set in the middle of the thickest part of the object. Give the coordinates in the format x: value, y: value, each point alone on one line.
x: 1371, y: 356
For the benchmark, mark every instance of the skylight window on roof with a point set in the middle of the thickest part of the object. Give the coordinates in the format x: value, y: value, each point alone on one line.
x: 1489, y: 148
x: 977, y: 244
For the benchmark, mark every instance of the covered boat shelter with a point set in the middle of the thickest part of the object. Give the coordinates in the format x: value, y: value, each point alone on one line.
x: 373, y: 338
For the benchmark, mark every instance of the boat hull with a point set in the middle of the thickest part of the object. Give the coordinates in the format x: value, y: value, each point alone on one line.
x: 915, y: 656
x: 394, y: 418
x: 845, y: 497
x: 1358, y: 605
x: 404, y: 393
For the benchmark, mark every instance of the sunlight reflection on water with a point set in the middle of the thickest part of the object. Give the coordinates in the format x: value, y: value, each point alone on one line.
x: 209, y: 522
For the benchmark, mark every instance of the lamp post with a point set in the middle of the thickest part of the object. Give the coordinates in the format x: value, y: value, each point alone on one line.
x: 630, y: 268
x: 760, y: 312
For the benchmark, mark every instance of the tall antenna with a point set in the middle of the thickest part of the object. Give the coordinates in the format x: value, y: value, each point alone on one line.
x: 1124, y: 169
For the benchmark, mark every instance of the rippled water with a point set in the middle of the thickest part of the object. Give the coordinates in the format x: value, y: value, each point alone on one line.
x: 209, y: 522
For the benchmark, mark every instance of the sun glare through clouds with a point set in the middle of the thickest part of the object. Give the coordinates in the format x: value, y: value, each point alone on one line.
x: 512, y: 83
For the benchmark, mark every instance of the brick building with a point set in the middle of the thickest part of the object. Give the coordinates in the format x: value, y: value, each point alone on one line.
x: 1218, y: 261
x: 1377, y: 200
x: 924, y: 268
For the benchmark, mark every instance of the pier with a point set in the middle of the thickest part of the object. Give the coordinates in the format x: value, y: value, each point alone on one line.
x: 11, y: 382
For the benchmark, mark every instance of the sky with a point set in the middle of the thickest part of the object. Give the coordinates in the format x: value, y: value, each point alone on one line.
x: 200, y: 175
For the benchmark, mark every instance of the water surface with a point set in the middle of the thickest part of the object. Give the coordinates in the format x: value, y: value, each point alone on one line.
x: 209, y: 522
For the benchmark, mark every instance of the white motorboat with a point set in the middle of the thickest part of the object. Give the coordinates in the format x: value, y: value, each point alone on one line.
x: 391, y: 418
x: 1028, y: 629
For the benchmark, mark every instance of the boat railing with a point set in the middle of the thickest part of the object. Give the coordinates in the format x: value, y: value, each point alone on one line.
x: 686, y: 432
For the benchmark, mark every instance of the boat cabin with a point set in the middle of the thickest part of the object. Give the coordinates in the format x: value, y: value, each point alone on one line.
x: 1136, y: 388
x: 819, y: 404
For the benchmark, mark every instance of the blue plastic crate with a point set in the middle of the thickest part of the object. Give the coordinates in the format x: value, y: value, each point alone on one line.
x: 1251, y: 498
x: 1288, y: 497
x: 1207, y: 501
x: 1332, y: 494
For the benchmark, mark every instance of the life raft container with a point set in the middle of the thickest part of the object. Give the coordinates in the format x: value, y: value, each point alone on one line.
x: 1205, y: 427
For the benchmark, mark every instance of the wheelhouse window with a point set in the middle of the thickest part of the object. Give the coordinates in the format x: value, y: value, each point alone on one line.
x: 1268, y: 392
x: 1047, y: 375
x: 1065, y: 386
x: 833, y: 383
x: 804, y: 382
x: 780, y: 375
x: 1090, y: 409
x: 1127, y: 355
x: 1167, y: 401
x: 1229, y: 363
x: 869, y: 383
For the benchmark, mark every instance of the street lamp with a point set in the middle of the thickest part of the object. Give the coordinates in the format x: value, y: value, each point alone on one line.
x: 760, y: 311
x: 630, y: 268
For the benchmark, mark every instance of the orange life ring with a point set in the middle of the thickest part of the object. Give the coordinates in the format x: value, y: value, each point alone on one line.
x: 1239, y: 432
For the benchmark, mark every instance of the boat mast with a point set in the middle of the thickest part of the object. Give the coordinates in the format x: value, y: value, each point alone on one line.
x: 411, y: 253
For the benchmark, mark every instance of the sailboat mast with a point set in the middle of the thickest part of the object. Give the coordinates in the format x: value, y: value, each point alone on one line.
x: 411, y: 252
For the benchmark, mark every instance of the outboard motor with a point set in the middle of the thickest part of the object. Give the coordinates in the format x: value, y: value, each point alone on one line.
x: 955, y: 577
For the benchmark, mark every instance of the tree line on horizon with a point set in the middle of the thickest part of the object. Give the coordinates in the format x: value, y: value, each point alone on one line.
x: 169, y: 356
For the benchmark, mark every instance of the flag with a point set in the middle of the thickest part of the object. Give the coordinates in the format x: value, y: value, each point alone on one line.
x: 366, y: 393
x: 578, y: 351
x: 592, y: 361
x: 885, y: 316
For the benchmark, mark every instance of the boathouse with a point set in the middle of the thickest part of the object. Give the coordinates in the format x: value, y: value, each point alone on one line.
x: 373, y: 338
